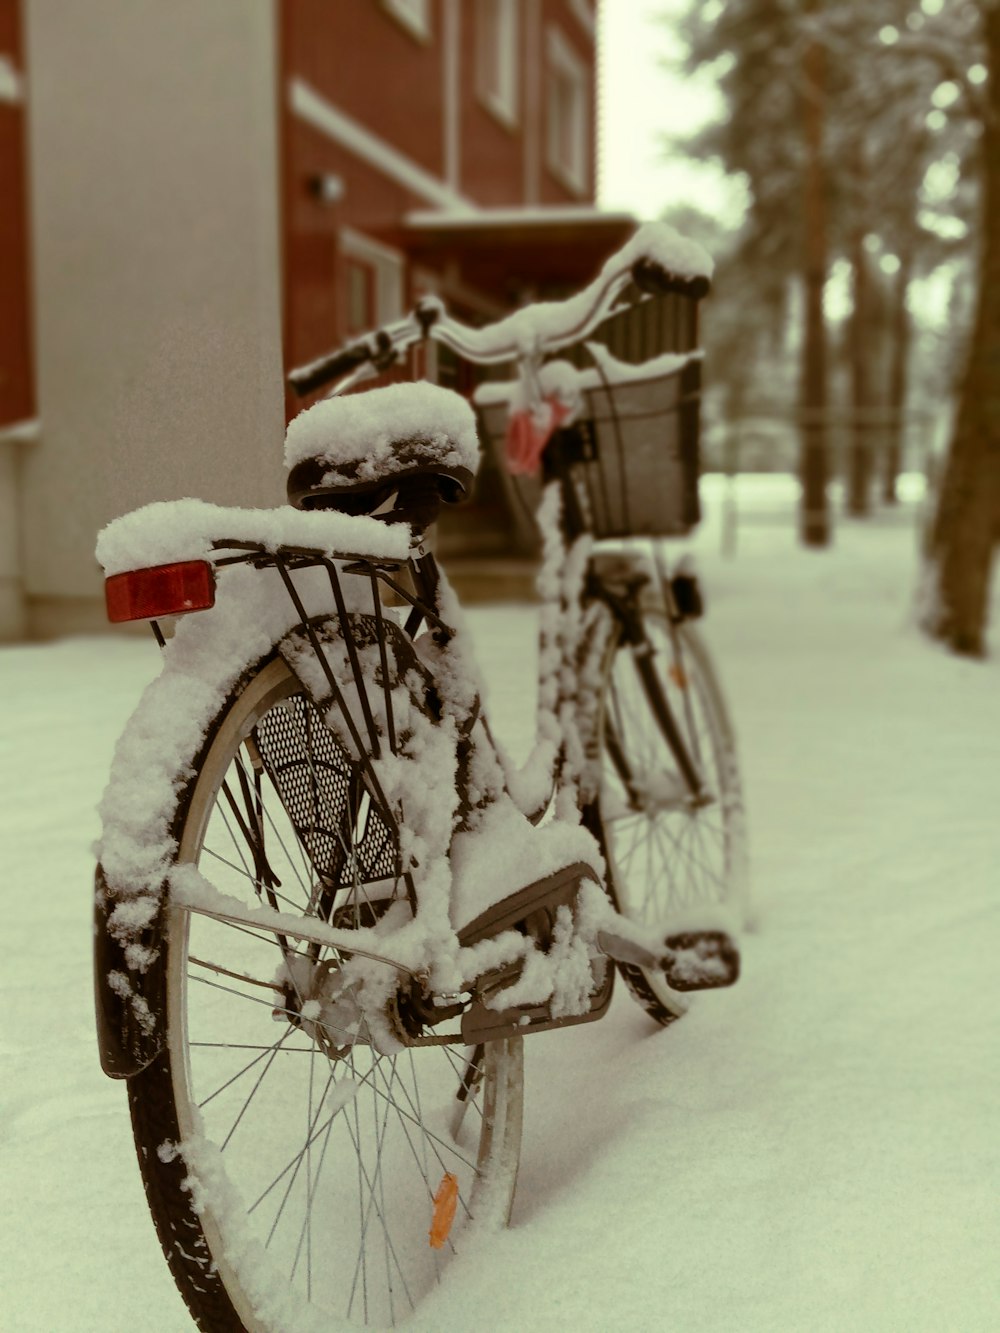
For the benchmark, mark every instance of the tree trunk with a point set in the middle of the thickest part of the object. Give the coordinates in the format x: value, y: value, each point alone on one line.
x: 968, y: 517
x: 900, y: 331
x: 859, y: 468
x: 815, y: 517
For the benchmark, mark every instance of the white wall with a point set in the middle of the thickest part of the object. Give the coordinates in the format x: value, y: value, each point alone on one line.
x: 155, y: 199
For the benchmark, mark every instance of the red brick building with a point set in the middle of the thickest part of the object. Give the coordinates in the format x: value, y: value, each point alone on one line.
x: 16, y: 377
x: 410, y: 129
x: 196, y: 197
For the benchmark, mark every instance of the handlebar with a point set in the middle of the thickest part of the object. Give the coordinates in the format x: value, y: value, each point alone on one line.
x: 305, y: 379
x: 656, y: 259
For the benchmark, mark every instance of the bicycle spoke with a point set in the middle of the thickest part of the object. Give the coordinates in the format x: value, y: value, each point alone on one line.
x: 292, y: 1163
x: 372, y: 1201
x: 245, y: 1069
x: 289, y: 860
x: 281, y: 897
x: 262, y: 937
x: 300, y: 1157
x: 469, y: 1074
x: 275, y: 1009
x: 221, y: 971
x: 249, y: 1046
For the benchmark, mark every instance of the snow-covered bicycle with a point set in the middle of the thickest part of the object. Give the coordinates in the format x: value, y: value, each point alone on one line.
x: 329, y: 907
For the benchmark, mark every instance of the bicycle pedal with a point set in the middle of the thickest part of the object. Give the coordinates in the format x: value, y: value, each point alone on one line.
x: 700, y: 960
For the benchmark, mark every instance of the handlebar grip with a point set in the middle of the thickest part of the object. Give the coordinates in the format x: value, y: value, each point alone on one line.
x: 329, y: 368
x: 653, y: 278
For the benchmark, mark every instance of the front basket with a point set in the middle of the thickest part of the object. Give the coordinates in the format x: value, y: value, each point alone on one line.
x: 632, y: 457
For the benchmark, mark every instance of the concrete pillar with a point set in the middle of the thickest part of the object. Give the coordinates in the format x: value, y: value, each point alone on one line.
x: 155, y: 205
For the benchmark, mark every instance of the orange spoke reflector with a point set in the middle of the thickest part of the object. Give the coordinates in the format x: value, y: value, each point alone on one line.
x: 678, y: 675
x: 445, y: 1203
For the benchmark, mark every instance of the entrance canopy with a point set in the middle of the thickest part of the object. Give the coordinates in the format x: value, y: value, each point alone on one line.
x: 514, y: 253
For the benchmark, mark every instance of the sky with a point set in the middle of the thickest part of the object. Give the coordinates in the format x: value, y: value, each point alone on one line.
x: 640, y: 98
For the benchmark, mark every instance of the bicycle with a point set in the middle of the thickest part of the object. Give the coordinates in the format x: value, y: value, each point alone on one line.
x: 329, y: 908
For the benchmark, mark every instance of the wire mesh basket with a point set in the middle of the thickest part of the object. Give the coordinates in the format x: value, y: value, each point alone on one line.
x: 631, y: 459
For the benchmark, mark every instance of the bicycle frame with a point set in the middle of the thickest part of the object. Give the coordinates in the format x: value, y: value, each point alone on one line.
x: 625, y: 607
x: 309, y: 823
x: 567, y: 684
x: 130, y: 1029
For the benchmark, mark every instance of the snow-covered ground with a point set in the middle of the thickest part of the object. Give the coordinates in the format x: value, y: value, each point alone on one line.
x: 816, y: 1149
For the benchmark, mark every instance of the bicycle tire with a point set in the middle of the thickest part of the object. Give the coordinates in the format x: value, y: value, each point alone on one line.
x: 214, y: 1130
x: 691, y: 856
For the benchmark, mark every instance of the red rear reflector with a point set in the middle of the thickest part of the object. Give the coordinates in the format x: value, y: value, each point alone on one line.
x: 164, y: 590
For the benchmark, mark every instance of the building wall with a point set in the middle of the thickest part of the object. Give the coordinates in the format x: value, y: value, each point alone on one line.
x: 16, y: 386
x: 372, y: 205
x: 156, y: 256
x: 17, y: 398
x: 390, y: 79
x: 363, y: 109
x: 565, y: 17
x: 494, y: 150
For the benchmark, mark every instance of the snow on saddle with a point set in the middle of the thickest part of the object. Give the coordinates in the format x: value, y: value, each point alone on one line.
x: 396, y: 453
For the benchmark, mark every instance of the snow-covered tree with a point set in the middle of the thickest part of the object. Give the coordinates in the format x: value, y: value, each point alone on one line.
x: 841, y: 118
x: 966, y: 43
x: 773, y: 72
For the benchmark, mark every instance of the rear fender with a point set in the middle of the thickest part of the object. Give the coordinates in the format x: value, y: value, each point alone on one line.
x: 131, y: 1031
x: 129, y: 986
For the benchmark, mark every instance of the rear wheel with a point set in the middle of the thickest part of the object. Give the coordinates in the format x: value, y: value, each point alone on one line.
x: 291, y: 1148
x: 668, y: 852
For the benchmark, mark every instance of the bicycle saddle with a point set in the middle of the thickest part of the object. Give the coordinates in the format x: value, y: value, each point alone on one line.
x: 396, y: 453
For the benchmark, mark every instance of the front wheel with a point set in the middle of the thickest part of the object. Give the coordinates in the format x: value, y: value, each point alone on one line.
x: 667, y: 849
x: 301, y: 1168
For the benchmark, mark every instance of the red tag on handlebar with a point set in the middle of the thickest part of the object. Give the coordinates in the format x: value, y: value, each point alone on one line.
x: 528, y: 432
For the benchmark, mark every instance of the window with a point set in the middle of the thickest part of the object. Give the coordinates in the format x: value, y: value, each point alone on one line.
x: 414, y: 15
x: 496, y: 57
x: 359, y: 284
x: 10, y: 81
x: 568, y: 113
x: 371, y: 280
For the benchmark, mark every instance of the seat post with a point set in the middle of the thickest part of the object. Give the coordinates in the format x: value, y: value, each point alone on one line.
x: 563, y: 450
x: 426, y: 577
